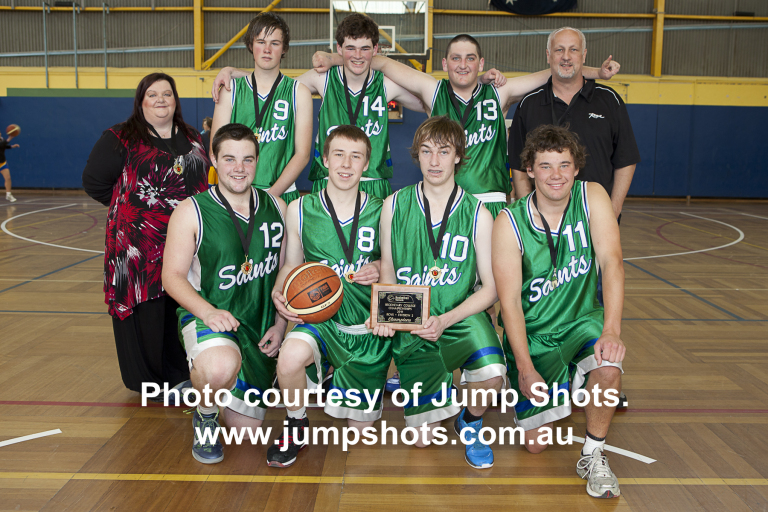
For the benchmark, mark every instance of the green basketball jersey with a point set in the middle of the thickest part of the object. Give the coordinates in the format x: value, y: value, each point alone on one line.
x: 485, y: 169
x: 412, y: 254
x: 321, y: 243
x: 548, y: 310
x: 373, y: 120
x: 276, y: 133
x: 215, y: 271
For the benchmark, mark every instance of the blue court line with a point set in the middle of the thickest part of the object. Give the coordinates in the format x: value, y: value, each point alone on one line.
x: 705, y: 301
x: 49, y: 273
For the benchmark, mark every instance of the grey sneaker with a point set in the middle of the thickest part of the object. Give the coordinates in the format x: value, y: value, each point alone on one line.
x: 601, y: 483
x: 207, y: 450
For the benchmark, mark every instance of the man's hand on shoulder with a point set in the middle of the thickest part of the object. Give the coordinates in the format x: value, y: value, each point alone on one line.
x: 609, y: 68
x: 493, y: 76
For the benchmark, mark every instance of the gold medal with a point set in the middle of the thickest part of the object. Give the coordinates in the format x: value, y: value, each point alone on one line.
x: 435, y: 272
x: 258, y: 137
x: 553, y: 280
x: 177, y: 167
x: 246, y: 268
x: 350, y: 276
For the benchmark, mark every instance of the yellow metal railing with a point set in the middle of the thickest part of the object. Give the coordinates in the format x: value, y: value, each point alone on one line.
x: 198, y: 9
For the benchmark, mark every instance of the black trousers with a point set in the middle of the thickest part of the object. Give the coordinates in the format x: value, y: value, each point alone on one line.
x: 148, y: 347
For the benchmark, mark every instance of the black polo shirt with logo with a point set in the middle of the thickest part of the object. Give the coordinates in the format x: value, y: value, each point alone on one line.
x: 597, y: 114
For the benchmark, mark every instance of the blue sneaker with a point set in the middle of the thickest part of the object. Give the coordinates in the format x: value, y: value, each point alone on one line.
x: 206, y: 450
x: 477, y: 454
x: 393, y: 383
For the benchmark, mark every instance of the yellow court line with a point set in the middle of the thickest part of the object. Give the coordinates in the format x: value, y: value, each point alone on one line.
x: 375, y: 480
x: 702, y: 230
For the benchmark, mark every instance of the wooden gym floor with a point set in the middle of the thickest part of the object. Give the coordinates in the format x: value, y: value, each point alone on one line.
x: 695, y: 321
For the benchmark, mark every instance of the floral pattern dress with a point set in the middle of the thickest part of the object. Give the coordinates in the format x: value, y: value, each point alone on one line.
x: 142, y: 202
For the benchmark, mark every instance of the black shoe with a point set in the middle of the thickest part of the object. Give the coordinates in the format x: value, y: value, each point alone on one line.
x: 623, y: 401
x: 280, y: 457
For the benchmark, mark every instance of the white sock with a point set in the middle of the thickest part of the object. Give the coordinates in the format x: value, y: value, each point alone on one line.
x: 297, y: 415
x: 590, y: 445
x: 207, y: 411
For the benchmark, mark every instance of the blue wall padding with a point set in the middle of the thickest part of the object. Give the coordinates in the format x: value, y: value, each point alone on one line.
x: 702, y: 151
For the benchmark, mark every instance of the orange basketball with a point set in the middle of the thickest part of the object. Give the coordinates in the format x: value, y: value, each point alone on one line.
x: 313, y: 291
x: 13, y: 130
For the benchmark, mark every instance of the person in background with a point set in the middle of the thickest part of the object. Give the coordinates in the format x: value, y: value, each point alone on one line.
x: 142, y: 169
x: 4, y: 170
x: 206, y: 134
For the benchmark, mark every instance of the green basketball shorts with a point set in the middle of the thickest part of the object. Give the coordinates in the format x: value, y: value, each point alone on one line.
x: 471, y: 345
x: 257, y: 371
x: 360, y: 361
x: 563, y: 358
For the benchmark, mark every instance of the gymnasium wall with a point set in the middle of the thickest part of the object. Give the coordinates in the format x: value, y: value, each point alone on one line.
x: 701, y: 137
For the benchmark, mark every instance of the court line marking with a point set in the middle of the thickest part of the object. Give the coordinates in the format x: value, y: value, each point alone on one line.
x: 129, y: 405
x: 29, y: 437
x: 741, y: 237
x: 79, y: 281
x: 620, y: 451
x: 48, y: 274
x: 2, y: 226
x: 376, y: 480
x: 750, y: 215
x: 705, y: 301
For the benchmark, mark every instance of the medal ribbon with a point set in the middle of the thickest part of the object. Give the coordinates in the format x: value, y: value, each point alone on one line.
x: 353, y: 116
x: 553, y: 248
x: 457, y: 107
x: 167, y: 143
x: 348, y: 249
x: 435, y: 244
x: 245, y: 240
x: 267, y: 102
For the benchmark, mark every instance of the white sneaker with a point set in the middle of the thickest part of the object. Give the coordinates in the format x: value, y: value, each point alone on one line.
x: 601, y: 483
x: 9, y: 197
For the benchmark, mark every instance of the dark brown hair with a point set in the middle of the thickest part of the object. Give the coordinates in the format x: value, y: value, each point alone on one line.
x: 464, y: 37
x: 134, y: 129
x: 208, y: 121
x: 232, y: 131
x: 549, y: 137
x: 349, y: 132
x: 267, y: 22
x: 357, y: 26
x: 440, y: 130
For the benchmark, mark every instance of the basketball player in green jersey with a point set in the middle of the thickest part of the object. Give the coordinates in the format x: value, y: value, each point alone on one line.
x: 282, y: 119
x: 546, y: 250
x: 353, y: 94
x: 435, y: 234
x: 479, y: 106
x: 222, y: 257
x: 337, y: 226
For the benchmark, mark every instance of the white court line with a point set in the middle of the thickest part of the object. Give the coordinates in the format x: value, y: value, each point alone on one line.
x: 2, y: 226
x: 29, y: 437
x: 621, y: 451
x: 741, y: 237
x: 30, y: 279
x: 750, y: 215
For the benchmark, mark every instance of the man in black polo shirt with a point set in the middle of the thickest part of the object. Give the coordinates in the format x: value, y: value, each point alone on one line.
x: 595, y: 112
